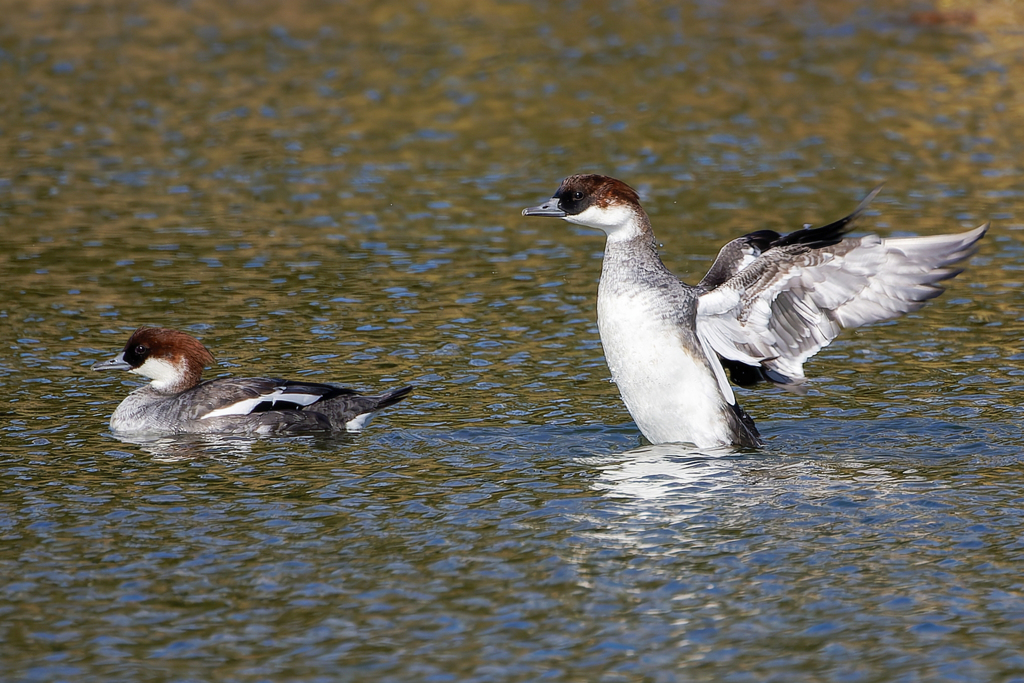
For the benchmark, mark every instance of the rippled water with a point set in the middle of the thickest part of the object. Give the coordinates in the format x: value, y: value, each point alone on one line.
x: 333, y: 191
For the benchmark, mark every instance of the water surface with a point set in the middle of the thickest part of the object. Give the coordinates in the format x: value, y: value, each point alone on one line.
x: 333, y: 191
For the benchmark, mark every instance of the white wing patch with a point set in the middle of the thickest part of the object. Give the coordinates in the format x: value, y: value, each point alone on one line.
x: 246, y: 406
x: 359, y: 421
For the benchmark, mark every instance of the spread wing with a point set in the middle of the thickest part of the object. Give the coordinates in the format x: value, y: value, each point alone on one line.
x: 742, y: 251
x: 778, y: 308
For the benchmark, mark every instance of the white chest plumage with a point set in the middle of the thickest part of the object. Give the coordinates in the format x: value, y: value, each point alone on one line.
x: 666, y: 386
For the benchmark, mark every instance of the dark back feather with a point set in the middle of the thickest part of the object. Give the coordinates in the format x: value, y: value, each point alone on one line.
x: 733, y: 256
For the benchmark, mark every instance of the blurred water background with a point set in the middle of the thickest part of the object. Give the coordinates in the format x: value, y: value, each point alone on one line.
x: 333, y: 190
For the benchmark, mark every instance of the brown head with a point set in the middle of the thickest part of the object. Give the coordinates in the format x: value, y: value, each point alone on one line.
x: 596, y: 201
x: 172, y: 359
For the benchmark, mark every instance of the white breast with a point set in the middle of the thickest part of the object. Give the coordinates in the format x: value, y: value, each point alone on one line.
x: 667, y: 387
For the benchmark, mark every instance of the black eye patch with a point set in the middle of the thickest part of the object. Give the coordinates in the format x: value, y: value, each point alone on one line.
x: 572, y: 201
x: 136, y: 354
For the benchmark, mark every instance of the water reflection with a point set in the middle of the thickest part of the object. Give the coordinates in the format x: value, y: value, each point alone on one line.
x: 666, y: 471
x: 191, y: 447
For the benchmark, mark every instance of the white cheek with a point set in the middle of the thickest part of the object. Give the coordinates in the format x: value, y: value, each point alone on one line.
x: 162, y: 372
x: 612, y: 220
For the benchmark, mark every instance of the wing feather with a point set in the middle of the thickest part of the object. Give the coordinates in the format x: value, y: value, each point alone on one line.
x: 782, y: 307
x: 246, y: 395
